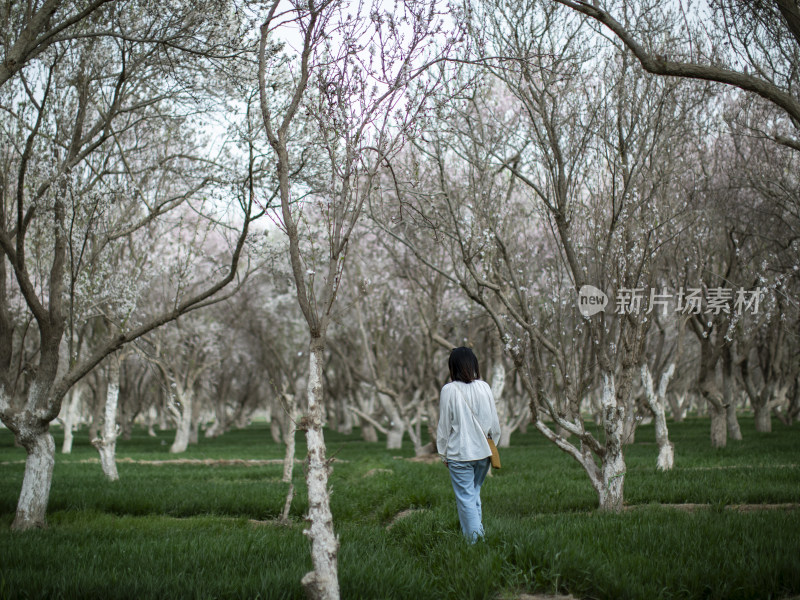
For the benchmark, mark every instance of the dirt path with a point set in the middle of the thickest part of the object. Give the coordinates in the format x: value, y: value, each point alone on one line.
x: 692, y: 507
x: 216, y: 462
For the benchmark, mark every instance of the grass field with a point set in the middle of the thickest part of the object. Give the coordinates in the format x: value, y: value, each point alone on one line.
x: 207, y: 531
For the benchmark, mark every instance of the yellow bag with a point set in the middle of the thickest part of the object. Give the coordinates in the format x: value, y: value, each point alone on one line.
x: 495, y: 453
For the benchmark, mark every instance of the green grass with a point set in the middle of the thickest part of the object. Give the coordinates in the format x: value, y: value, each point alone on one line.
x: 185, y: 531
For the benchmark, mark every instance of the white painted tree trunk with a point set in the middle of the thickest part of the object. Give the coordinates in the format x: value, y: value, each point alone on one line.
x: 107, y: 445
x: 655, y: 399
x: 613, y: 466
x: 152, y: 416
x: 215, y: 430
x: 184, y: 423
x: 71, y: 418
x: 394, y: 434
x: 679, y: 406
x: 505, y: 437
x: 369, y: 432
x: 32, y: 505
x: 322, y: 583
x: 498, y: 383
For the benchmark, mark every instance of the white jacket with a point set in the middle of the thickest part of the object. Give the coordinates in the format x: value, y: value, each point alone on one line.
x: 460, y: 436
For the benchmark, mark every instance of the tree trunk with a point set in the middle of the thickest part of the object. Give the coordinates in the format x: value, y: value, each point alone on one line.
x: 498, y: 383
x: 71, y: 417
x: 655, y: 399
x: 288, y: 437
x: 97, y: 408
x: 716, y: 408
x: 150, y: 419
x: 677, y: 403
x: 732, y: 423
x: 610, y: 496
x: 322, y: 583
x: 107, y: 445
x: 346, y: 421
x: 194, y: 432
x: 368, y: 431
x: 184, y: 424
x: 763, y: 416
x: 288, y: 459
x: 32, y: 505
x: 394, y: 436
x: 630, y: 423
x: 505, y: 437
x: 719, y: 425
x: 275, y: 428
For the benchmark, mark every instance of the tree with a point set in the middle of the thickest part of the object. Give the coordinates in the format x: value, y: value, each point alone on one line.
x: 749, y: 45
x: 75, y: 105
x: 553, y: 175
x: 351, y: 74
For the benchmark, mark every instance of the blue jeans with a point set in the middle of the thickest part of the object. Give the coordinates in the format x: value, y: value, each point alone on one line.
x: 467, y: 478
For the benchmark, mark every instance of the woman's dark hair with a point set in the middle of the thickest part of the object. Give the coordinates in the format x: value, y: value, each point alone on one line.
x: 463, y: 365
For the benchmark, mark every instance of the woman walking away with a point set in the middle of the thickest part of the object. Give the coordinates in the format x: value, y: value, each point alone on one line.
x: 467, y: 415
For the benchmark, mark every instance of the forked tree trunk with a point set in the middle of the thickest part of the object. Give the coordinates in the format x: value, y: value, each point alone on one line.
x: 396, y: 429
x: 607, y: 479
x: 322, y: 583
x: 107, y: 445
x: 32, y: 505
x: 71, y: 418
x: 655, y: 399
x: 678, y: 404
